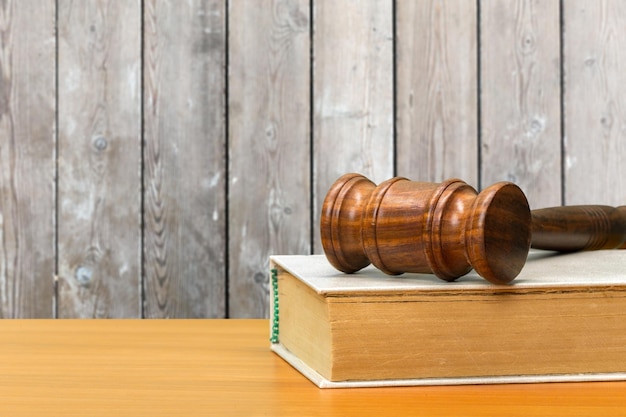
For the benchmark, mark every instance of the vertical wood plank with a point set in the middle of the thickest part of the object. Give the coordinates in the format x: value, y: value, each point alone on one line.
x: 269, y: 144
x: 184, y: 158
x: 27, y: 146
x: 437, y: 135
x: 99, y: 158
x: 595, y: 102
x: 353, y: 93
x: 520, y: 82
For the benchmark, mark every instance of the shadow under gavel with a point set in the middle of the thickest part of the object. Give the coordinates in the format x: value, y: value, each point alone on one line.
x: 449, y: 228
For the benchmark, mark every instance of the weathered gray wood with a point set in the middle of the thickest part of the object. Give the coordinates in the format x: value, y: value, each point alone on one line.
x: 269, y: 144
x: 99, y: 237
x: 595, y: 102
x: 270, y: 210
x: 520, y: 97
x: 184, y: 159
x: 27, y: 118
x: 437, y: 135
x: 353, y: 94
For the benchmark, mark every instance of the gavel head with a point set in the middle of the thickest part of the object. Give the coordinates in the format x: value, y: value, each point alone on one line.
x: 443, y: 228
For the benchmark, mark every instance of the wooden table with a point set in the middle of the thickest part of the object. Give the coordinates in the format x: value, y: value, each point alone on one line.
x: 225, y: 367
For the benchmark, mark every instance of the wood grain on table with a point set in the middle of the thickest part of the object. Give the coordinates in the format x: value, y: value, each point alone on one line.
x: 225, y: 367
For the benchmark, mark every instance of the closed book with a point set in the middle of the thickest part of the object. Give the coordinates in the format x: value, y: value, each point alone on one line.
x: 562, y: 319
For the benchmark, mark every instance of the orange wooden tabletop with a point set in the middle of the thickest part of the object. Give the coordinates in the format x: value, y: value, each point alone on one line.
x: 225, y: 367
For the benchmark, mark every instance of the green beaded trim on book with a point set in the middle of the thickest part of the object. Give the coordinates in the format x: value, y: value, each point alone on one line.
x: 275, y: 311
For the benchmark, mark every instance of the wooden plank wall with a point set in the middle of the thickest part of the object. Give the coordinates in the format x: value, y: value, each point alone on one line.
x: 153, y: 153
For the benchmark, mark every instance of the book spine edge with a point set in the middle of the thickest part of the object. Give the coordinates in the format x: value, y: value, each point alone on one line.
x: 274, y: 306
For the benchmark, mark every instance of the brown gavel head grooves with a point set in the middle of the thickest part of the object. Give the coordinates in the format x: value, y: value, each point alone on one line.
x: 449, y: 228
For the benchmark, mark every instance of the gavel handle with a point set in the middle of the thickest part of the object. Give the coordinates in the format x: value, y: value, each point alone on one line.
x: 574, y: 228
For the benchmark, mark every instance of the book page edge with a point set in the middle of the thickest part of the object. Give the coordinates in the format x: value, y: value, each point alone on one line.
x: 322, y: 382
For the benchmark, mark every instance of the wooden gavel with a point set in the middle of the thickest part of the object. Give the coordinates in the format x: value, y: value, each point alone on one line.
x: 449, y: 228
